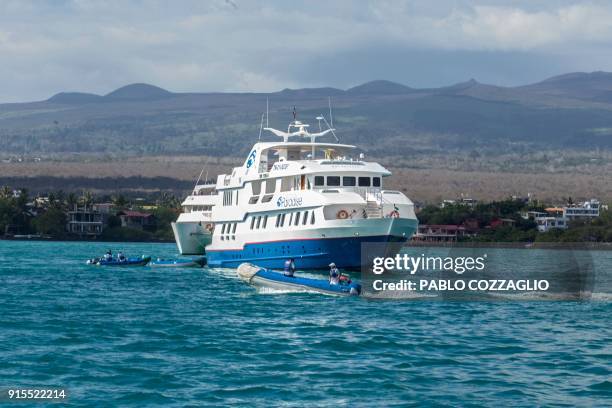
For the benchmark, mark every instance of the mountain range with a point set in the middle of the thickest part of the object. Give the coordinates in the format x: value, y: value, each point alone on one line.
x: 571, y: 111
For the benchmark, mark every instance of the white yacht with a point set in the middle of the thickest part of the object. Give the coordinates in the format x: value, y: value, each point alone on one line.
x: 299, y: 198
x: 193, y: 228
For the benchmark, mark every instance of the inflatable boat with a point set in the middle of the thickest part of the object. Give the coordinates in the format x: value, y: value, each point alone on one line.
x: 179, y: 263
x: 142, y: 261
x: 266, y: 278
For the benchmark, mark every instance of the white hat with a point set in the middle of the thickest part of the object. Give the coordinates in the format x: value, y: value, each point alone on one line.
x: 331, y: 265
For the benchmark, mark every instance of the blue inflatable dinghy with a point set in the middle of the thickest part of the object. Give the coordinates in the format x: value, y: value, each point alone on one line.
x: 261, y: 277
x: 142, y: 261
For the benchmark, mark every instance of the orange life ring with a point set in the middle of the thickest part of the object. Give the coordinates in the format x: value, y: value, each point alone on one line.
x: 342, y: 215
x: 394, y: 214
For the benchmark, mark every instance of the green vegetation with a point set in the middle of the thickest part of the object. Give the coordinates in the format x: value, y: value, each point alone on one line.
x: 15, y: 216
x: 49, y: 216
x: 52, y: 222
x: 126, y: 234
x: 501, y: 221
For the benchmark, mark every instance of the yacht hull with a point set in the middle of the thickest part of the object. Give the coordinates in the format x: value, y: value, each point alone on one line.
x: 191, y: 237
x: 316, y: 250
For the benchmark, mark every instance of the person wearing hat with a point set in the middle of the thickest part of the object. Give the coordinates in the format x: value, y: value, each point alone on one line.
x: 334, y: 274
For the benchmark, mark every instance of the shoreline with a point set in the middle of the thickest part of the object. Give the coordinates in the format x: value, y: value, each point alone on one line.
x: 602, y: 246
x: 67, y: 239
x: 606, y: 246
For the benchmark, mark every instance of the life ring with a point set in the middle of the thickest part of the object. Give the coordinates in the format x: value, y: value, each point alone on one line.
x: 209, y: 227
x: 394, y: 214
x: 342, y: 215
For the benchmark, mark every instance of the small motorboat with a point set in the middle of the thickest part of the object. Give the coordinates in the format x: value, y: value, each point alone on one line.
x: 142, y: 261
x: 179, y: 263
x: 266, y: 278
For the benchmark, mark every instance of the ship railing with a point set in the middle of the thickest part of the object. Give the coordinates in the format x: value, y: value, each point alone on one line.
x: 370, y: 194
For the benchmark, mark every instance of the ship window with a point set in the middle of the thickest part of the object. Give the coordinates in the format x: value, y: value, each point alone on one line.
x: 270, y: 186
x: 333, y: 180
x: 282, y: 222
x: 223, y: 229
x: 267, y: 198
x: 252, y: 222
x: 364, y: 182
x: 305, y: 217
x: 234, y: 229
x: 237, y: 191
x: 286, y: 183
x: 253, y: 200
x: 291, y: 219
x: 265, y: 222
x: 297, y: 218
x: 258, y: 222
x: 256, y: 186
x: 278, y: 217
x: 312, y: 218
x: 376, y: 181
x: 348, y: 181
x: 319, y: 181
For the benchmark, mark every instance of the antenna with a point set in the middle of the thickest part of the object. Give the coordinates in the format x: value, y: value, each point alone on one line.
x: 200, y: 176
x: 260, y: 127
x: 267, y: 112
x: 330, y: 128
x: 320, y: 118
x: 331, y: 117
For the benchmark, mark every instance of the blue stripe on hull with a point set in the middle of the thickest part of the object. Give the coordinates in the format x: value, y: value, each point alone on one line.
x: 308, y: 254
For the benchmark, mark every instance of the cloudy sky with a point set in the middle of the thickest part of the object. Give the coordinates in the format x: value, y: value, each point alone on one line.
x: 235, y: 45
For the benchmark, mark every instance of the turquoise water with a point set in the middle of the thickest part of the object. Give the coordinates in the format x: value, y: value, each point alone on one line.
x: 197, y: 337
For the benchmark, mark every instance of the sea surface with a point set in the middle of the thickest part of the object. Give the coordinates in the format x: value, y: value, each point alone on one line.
x: 198, y: 337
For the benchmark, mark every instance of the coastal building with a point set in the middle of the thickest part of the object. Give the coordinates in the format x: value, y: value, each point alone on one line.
x: 440, y: 233
x: 86, y: 221
x: 560, y: 216
x: 502, y: 222
x: 137, y: 220
x: 105, y: 208
x: 587, y: 209
x: 466, y: 201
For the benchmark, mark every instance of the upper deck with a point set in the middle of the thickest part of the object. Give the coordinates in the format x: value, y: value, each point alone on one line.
x: 305, y: 157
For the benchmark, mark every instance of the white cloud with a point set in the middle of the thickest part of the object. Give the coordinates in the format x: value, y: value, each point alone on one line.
x: 97, y: 46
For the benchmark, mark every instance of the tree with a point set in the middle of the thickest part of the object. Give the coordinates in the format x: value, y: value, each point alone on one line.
x: 52, y: 222
x: 120, y: 201
x: 87, y: 199
x: 6, y: 192
x: 114, y: 221
x: 71, y: 201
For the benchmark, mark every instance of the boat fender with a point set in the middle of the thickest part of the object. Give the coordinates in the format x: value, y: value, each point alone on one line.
x: 342, y: 215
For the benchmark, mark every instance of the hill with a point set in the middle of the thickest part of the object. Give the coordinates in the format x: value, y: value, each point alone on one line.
x: 138, y: 92
x: 571, y: 111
